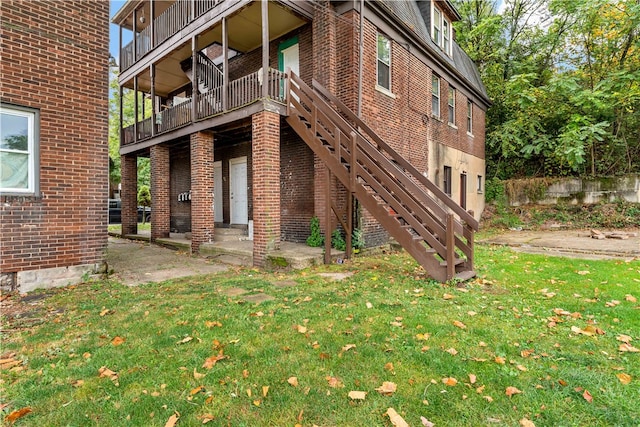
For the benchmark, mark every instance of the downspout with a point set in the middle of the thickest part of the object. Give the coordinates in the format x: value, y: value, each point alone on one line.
x: 360, y: 60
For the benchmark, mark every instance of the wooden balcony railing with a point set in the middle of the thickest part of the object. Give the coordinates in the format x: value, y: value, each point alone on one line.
x: 175, y: 18
x: 241, y: 92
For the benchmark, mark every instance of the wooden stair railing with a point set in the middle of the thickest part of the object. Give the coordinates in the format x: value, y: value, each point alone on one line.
x: 426, y: 222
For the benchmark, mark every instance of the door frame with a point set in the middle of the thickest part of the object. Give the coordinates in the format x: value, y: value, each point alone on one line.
x: 234, y: 161
x: 218, y: 199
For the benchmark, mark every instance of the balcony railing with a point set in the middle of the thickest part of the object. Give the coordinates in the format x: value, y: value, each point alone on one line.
x: 175, y: 18
x: 241, y: 92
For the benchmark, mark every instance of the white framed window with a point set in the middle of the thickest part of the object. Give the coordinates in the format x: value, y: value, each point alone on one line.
x: 384, y: 62
x: 19, y: 149
x: 435, y: 96
x: 469, y: 117
x: 441, y: 30
x: 452, y: 106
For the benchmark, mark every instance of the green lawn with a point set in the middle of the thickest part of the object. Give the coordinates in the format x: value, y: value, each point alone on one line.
x: 553, y: 328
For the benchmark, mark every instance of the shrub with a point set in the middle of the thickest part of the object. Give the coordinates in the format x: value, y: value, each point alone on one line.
x: 337, y: 241
x: 315, y: 240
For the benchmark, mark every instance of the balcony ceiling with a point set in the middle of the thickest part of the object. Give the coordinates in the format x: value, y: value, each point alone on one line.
x: 245, y: 35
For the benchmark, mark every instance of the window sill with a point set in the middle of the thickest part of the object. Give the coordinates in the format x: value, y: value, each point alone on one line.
x: 433, y: 116
x: 451, y: 125
x: 385, y: 91
x: 470, y: 134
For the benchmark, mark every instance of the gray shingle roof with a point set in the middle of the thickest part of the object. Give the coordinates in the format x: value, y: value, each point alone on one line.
x: 416, y: 15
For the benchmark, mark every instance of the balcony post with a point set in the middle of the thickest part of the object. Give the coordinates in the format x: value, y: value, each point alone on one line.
x: 194, y: 78
x: 152, y: 9
x: 135, y: 108
x: 152, y: 75
x: 265, y: 48
x: 120, y: 50
x: 193, y: 10
x: 120, y: 112
x: 225, y: 64
x: 135, y: 38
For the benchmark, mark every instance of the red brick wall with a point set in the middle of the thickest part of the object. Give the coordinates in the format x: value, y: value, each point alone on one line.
x: 266, y: 196
x: 54, y: 58
x: 201, y: 189
x: 129, y: 193
x: 160, y: 192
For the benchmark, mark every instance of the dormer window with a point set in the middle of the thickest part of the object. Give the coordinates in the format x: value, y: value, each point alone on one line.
x: 441, y: 29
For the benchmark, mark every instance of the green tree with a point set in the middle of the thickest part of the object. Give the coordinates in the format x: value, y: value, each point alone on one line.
x: 144, y: 200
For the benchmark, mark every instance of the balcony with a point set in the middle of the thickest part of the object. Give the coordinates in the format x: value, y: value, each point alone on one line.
x: 241, y: 93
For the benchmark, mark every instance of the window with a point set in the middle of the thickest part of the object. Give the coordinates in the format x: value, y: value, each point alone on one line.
x: 384, y: 62
x: 469, y: 117
x: 435, y: 96
x: 452, y: 106
x: 18, y: 149
x: 479, y: 189
x: 446, y: 183
x: 441, y: 30
x: 463, y: 190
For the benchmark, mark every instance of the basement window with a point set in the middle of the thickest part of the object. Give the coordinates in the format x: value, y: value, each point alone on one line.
x: 19, y: 141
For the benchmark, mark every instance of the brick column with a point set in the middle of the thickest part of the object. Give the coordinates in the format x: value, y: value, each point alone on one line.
x: 160, y: 192
x: 129, y: 193
x: 265, y: 146
x: 324, y: 45
x: 202, y: 223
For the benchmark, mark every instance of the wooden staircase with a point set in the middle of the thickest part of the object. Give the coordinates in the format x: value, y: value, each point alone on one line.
x: 426, y: 222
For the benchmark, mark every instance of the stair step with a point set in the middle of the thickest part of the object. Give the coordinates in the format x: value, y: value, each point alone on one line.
x: 458, y: 261
x: 466, y: 275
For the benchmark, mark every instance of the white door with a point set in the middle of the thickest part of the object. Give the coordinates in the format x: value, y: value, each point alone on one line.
x: 238, y: 190
x: 217, y: 192
x: 291, y: 58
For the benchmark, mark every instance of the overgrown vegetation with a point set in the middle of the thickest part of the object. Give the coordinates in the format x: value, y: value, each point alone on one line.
x: 337, y: 241
x: 537, y: 338
x: 564, y: 79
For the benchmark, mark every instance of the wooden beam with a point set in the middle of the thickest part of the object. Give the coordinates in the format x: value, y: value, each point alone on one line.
x: 265, y: 49
x: 194, y: 78
x: 327, y: 217
x: 152, y: 75
x: 225, y: 64
x: 135, y: 109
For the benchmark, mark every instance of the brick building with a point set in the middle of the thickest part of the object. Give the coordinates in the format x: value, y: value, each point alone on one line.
x: 263, y: 114
x: 53, y: 146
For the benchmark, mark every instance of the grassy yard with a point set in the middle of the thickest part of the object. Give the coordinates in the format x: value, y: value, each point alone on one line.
x: 547, y: 340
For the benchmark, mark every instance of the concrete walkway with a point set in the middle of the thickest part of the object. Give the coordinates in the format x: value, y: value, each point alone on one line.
x: 570, y: 243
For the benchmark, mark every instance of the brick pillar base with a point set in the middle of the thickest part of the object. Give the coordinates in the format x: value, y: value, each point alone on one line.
x: 129, y: 193
x: 160, y: 192
x: 265, y: 146
x: 202, y: 219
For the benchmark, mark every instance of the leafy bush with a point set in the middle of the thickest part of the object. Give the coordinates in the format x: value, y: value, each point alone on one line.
x: 357, y: 239
x: 494, y: 190
x: 337, y: 241
x: 315, y: 240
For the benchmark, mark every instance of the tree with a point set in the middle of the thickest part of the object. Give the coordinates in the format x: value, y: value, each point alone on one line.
x: 144, y: 200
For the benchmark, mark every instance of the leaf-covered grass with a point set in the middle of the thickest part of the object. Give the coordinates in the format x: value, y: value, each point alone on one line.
x: 501, y: 330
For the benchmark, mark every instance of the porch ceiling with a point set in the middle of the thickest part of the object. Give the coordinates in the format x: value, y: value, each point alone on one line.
x: 245, y: 35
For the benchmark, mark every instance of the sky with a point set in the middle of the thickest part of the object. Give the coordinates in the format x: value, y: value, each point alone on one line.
x: 114, y: 6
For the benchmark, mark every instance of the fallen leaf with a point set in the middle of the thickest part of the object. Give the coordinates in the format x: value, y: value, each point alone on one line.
x: 423, y: 337
x: 185, y: 340
x: 249, y: 392
x: 197, y: 375
x: 611, y: 303
x: 447, y: 296
x: 521, y: 368
x: 389, y: 366
x: 450, y: 381
x: 197, y: 390
x: 265, y: 390
x: 588, y: 330
x: 527, y: 353
x: 173, y: 419
x: 500, y: 360
x: 426, y: 423
x: 510, y: 391
x: 452, y: 351
x: 624, y: 378
x: 627, y: 347
x: 396, y: 419
x: 472, y: 378
x: 583, y: 272
x: 334, y: 382
x: 624, y: 338
x: 211, y: 361
x: 348, y: 347
x: 587, y: 396
x: 480, y: 389
x: 459, y: 324
x: 357, y: 395
x: 78, y: 383
x: 108, y: 373
x: 630, y: 298
x: 550, y: 294
x: 526, y: 423
x: 12, y: 417
x: 245, y: 373
x: 369, y: 305
x: 104, y: 312
x: 206, y: 418
x: 398, y: 324
x: 293, y: 381
x: 212, y: 324
x: 301, y: 329
x: 387, y: 388
x: 488, y: 398
x: 257, y: 402
x: 86, y: 355
x: 117, y: 341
